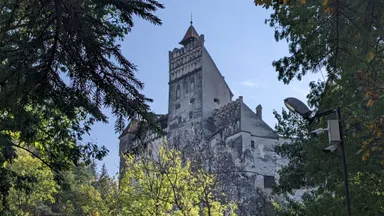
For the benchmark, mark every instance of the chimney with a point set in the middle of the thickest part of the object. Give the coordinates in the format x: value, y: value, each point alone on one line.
x: 259, y: 111
x: 241, y: 98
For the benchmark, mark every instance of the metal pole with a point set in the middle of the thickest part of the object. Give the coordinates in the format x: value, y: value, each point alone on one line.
x: 338, y: 113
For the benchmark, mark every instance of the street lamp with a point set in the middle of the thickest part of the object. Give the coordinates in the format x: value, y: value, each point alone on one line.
x: 297, y: 106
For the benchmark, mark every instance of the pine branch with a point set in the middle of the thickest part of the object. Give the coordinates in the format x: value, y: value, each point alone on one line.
x: 37, y: 156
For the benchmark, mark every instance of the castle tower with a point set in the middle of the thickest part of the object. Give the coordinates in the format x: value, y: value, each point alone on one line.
x: 196, y: 86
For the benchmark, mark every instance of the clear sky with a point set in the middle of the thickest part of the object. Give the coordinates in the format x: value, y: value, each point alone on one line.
x: 241, y: 44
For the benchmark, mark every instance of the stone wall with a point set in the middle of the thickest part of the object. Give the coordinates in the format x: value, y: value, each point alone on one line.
x: 185, y: 87
x: 236, y: 165
x: 216, y: 91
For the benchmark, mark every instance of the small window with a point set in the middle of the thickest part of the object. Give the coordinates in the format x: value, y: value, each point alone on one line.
x: 179, y: 119
x: 190, y: 115
x: 252, y: 144
x: 178, y: 92
x: 269, y: 181
x: 192, y: 101
x: 216, y: 101
x: 192, y: 85
x: 178, y: 106
x: 232, y: 144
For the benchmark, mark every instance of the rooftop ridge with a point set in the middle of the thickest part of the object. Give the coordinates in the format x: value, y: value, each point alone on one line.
x: 227, y: 106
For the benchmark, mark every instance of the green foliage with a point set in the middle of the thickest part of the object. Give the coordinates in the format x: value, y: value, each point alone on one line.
x: 103, y: 183
x: 167, y: 186
x: 162, y: 186
x: 81, y: 197
x: 33, y: 195
x: 39, y: 194
x: 59, y: 65
x: 344, y: 40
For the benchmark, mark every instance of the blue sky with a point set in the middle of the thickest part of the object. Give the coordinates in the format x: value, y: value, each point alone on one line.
x: 241, y: 44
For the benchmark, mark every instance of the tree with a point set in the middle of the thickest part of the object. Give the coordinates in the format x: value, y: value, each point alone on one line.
x: 53, y: 139
x: 34, y: 195
x: 167, y: 186
x: 80, y: 196
x: 233, y: 183
x: 104, y: 184
x: 59, y: 65
x: 37, y: 192
x: 346, y: 39
x: 343, y: 39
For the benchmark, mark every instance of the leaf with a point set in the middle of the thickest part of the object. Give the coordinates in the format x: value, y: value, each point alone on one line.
x: 330, y: 10
x: 303, y: 2
x: 374, y: 148
x: 263, y: 2
x: 325, y: 3
x: 370, y: 103
x: 355, y: 51
x: 371, y: 55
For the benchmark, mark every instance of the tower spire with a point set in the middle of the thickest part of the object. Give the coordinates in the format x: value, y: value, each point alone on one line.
x: 191, y: 19
x: 190, y: 35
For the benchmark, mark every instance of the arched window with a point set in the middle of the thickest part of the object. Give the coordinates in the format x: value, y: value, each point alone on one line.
x: 178, y: 92
x: 252, y: 144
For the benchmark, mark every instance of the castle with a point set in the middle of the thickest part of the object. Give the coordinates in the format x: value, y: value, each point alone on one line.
x: 202, y: 114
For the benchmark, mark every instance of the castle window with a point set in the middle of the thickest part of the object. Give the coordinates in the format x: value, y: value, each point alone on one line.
x: 179, y: 119
x: 216, y: 101
x: 192, y: 85
x: 252, y: 144
x: 190, y: 115
x: 231, y: 144
x: 269, y: 181
x: 178, y: 106
x: 192, y: 101
x: 178, y: 92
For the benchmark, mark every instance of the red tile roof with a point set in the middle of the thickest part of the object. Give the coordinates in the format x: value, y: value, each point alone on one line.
x: 191, y: 33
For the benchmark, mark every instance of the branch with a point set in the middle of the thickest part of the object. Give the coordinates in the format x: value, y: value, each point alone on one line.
x: 38, y: 157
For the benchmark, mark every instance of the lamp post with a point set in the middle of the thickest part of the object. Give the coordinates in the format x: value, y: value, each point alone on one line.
x: 297, y: 106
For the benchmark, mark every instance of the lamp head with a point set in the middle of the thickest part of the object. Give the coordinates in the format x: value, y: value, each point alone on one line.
x: 297, y: 106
